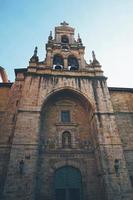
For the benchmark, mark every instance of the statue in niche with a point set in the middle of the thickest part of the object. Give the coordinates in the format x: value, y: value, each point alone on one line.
x: 66, y: 139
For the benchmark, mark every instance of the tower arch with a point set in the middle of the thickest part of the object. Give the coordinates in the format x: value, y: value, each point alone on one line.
x: 58, y: 61
x: 64, y: 39
x: 73, y: 62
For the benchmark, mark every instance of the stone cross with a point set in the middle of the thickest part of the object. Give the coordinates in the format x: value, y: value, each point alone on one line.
x: 64, y: 23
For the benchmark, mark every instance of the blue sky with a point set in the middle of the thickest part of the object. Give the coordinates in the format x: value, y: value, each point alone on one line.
x: 104, y: 26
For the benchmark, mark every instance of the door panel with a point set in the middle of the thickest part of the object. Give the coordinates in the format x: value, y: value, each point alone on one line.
x: 67, y: 194
x: 60, y: 194
x: 68, y: 184
x: 74, y: 194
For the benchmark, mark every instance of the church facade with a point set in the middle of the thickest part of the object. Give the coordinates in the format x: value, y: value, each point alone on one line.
x: 64, y: 134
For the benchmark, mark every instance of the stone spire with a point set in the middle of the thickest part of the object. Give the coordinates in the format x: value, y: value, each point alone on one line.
x: 35, y: 52
x: 79, y: 40
x: 95, y: 61
x: 34, y: 58
x: 50, y: 37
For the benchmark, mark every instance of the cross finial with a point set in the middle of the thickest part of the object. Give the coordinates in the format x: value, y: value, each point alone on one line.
x: 64, y: 23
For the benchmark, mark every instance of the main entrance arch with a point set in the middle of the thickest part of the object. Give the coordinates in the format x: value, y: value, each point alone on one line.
x: 67, y: 136
x: 67, y: 184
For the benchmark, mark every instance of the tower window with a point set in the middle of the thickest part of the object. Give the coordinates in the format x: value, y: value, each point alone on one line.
x: 64, y: 39
x: 73, y: 63
x: 58, y: 60
x: 65, y: 116
x: 66, y: 140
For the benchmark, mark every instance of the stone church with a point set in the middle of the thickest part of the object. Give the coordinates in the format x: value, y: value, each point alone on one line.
x: 64, y: 134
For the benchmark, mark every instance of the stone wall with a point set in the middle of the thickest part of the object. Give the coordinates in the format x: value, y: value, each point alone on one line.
x: 122, y: 100
x: 4, y: 150
x: 4, y: 97
x: 28, y: 103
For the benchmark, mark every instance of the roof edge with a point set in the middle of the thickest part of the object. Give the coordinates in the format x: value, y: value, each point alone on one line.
x: 8, y: 85
x: 120, y: 89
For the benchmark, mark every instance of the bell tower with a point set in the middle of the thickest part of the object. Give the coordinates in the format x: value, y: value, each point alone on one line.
x: 63, y: 51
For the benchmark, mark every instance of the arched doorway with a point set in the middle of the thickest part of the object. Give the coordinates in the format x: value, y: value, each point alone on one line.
x: 67, y: 135
x: 67, y: 184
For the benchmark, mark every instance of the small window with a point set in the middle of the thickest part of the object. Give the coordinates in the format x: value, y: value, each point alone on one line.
x: 73, y: 63
x: 65, y: 116
x: 58, y: 60
x: 64, y: 39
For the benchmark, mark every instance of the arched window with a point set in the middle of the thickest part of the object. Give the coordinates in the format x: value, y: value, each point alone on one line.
x: 73, y: 63
x: 66, y: 139
x: 64, y: 39
x: 58, y: 61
